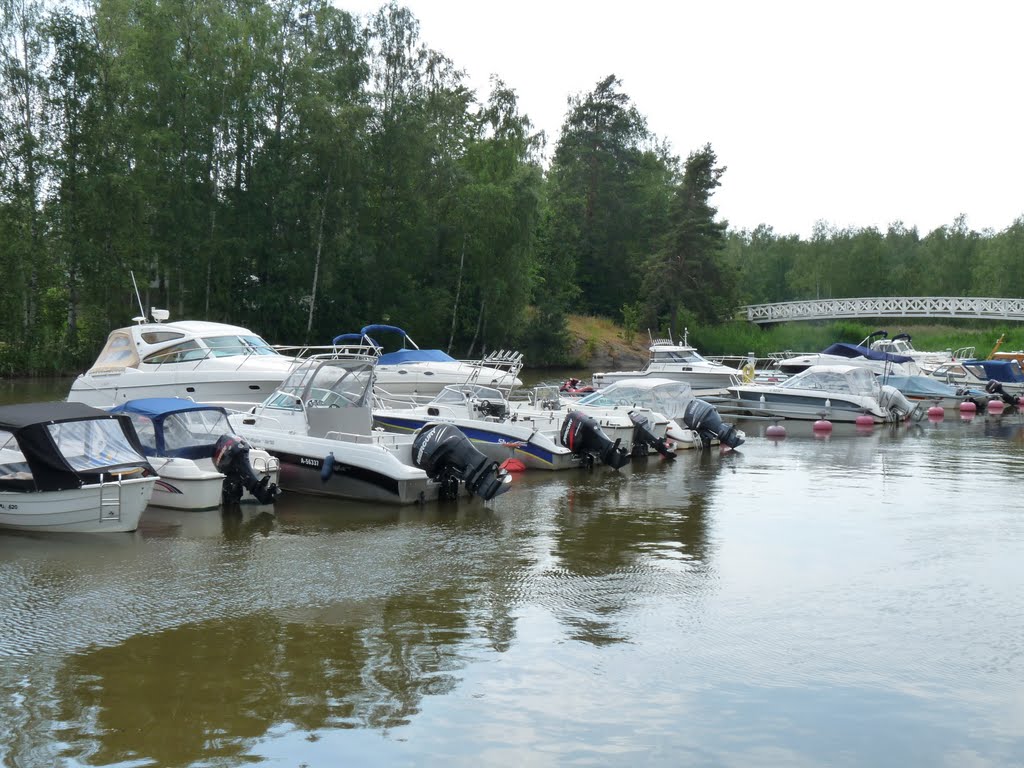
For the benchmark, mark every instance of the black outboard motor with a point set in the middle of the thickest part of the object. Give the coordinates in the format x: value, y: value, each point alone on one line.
x: 582, y: 435
x: 994, y: 387
x: 447, y: 455
x: 643, y: 436
x: 231, y: 458
x: 703, y: 419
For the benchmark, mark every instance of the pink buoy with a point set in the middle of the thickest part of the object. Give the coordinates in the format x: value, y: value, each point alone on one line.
x: 864, y: 421
x: 823, y: 425
x: 936, y: 411
x: 996, y: 406
x: 968, y: 407
x: 775, y: 431
x: 1020, y: 401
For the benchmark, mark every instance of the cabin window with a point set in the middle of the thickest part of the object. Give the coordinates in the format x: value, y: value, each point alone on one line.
x: 13, y: 467
x: 93, y: 444
x: 155, y: 337
x: 119, y: 352
x: 186, y: 352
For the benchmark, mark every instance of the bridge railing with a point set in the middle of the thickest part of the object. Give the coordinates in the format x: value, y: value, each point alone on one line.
x: 887, y: 306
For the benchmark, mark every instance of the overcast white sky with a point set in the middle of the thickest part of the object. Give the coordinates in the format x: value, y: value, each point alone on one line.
x: 857, y: 113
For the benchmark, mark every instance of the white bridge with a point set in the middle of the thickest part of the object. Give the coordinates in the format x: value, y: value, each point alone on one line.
x: 887, y: 306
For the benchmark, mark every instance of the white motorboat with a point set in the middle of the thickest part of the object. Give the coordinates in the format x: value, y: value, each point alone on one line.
x: 200, y: 462
x: 501, y: 433
x: 902, y: 344
x: 67, y: 467
x: 319, y: 424
x: 679, y: 361
x: 692, y: 423
x: 635, y: 429
x: 879, y: 362
x: 206, y: 362
x: 412, y: 376
x: 839, y: 393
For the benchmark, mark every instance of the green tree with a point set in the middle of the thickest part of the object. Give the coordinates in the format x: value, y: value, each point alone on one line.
x: 687, y: 276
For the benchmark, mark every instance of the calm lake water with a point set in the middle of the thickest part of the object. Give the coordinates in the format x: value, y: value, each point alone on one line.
x: 854, y: 600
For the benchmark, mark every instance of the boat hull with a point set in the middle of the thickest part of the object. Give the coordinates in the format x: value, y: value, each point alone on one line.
x: 496, y: 440
x: 213, y: 387
x: 111, y: 507
x: 794, y: 405
x: 195, y: 485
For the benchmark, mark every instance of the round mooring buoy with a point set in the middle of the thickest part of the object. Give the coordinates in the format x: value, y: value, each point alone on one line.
x: 996, y: 406
x: 968, y: 407
x: 775, y: 431
x: 936, y: 413
x: 864, y: 421
x: 823, y: 425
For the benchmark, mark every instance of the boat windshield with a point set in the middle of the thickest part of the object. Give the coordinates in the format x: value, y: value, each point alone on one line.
x: 234, y: 344
x: 456, y: 395
x: 91, y: 445
x: 182, y: 431
x: 855, y: 381
x: 676, y: 356
x: 331, y: 384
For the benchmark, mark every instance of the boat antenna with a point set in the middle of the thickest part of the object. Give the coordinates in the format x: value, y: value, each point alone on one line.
x: 142, y: 311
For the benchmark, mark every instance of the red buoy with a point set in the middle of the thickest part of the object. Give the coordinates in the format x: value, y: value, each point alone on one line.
x: 513, y: 465
x: 775, y: 431
x: 996, y: 406
x: 865, y: 421
x: 823, y: 425
x: 968, y: 407
x: 936, y: 413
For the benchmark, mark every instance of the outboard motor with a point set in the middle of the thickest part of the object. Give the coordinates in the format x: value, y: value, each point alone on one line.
x: 447, y: 455
x: 231, y: 458
x: 993, y: 387
x: 703, y: 419
x: 897, y: 403
x: 644, y: 436
x: 582, y: 435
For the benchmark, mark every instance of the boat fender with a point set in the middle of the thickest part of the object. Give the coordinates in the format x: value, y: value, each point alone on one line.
x: 327, y: 469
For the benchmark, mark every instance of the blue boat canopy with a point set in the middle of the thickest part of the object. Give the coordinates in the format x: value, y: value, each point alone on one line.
x: 855, y: 350
x: 158, y: 407
x: 415, y: 356
x: 1000, y: 370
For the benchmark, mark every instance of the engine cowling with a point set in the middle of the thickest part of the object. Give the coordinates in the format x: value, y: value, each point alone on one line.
x: 231, y: 459
x: 582, y: 435
x: 703, y: 419
x: 445, y: 453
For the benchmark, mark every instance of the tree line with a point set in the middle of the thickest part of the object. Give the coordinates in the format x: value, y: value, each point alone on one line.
x: 293, y: 168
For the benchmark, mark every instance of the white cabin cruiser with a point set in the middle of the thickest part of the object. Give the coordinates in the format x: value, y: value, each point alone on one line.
x: 839, y: 393
x: 67, y: 467
x: 412, y: 376
x: 679, y: 361
x: 206, y: 362
x: 319, y: 424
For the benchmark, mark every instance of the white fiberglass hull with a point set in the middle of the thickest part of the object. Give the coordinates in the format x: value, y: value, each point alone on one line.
x: 110, y: 507
x: 196, y: 485
x: 807, y: 404
x: 497, y: 440
x: 378, y: 470
x: 215, y: 387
